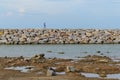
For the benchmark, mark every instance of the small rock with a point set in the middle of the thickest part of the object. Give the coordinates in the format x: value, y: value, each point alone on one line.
x: 30, y: 67
x: 41, y: 55
x: 103, y: 74
x: 70, y: 69
x: 51, y: 72
x: 60, y: 52
x: 98, y: 51
x: 21, y: 57
x: 49, y: 51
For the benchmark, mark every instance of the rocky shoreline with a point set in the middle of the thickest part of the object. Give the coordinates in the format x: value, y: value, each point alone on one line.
x: 40, y: 68
x: 59, y: 36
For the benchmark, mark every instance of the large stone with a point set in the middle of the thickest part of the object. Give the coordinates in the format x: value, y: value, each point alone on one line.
x: 22, y: 39
x: 3, y: 41
x: 89, y: 34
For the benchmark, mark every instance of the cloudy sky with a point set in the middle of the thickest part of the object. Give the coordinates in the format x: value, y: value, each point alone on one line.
x: 60, y: 13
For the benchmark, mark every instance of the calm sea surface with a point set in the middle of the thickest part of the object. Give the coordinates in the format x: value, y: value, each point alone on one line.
x: 70, y: 51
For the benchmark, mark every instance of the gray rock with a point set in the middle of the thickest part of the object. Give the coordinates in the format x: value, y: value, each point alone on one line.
x: 51, y: 72
x: 70, y: 69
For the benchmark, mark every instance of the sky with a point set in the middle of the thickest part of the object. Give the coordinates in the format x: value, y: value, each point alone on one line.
x: 99, y: 14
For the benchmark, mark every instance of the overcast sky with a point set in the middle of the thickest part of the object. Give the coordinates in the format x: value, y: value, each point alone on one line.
x: 60, y: 13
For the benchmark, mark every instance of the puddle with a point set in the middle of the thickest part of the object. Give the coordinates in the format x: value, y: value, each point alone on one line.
x: 21, y: 68
x: 60, y: 73
x: 115, y: 76
x: 40, y: 73
x: 115, y: 59
x: 91, y: 75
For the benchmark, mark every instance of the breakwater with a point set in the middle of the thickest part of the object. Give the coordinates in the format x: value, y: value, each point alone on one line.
x: 59, y: 36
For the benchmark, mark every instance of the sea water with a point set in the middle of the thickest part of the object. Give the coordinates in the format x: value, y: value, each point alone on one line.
x: 67, y: 50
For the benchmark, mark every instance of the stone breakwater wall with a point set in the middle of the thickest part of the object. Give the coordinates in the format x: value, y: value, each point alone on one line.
x: 58, y: 36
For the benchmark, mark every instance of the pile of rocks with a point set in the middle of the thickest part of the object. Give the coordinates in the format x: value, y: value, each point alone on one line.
x: 96, y: 59
x: 58, y: 36
x: 38, y: 58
